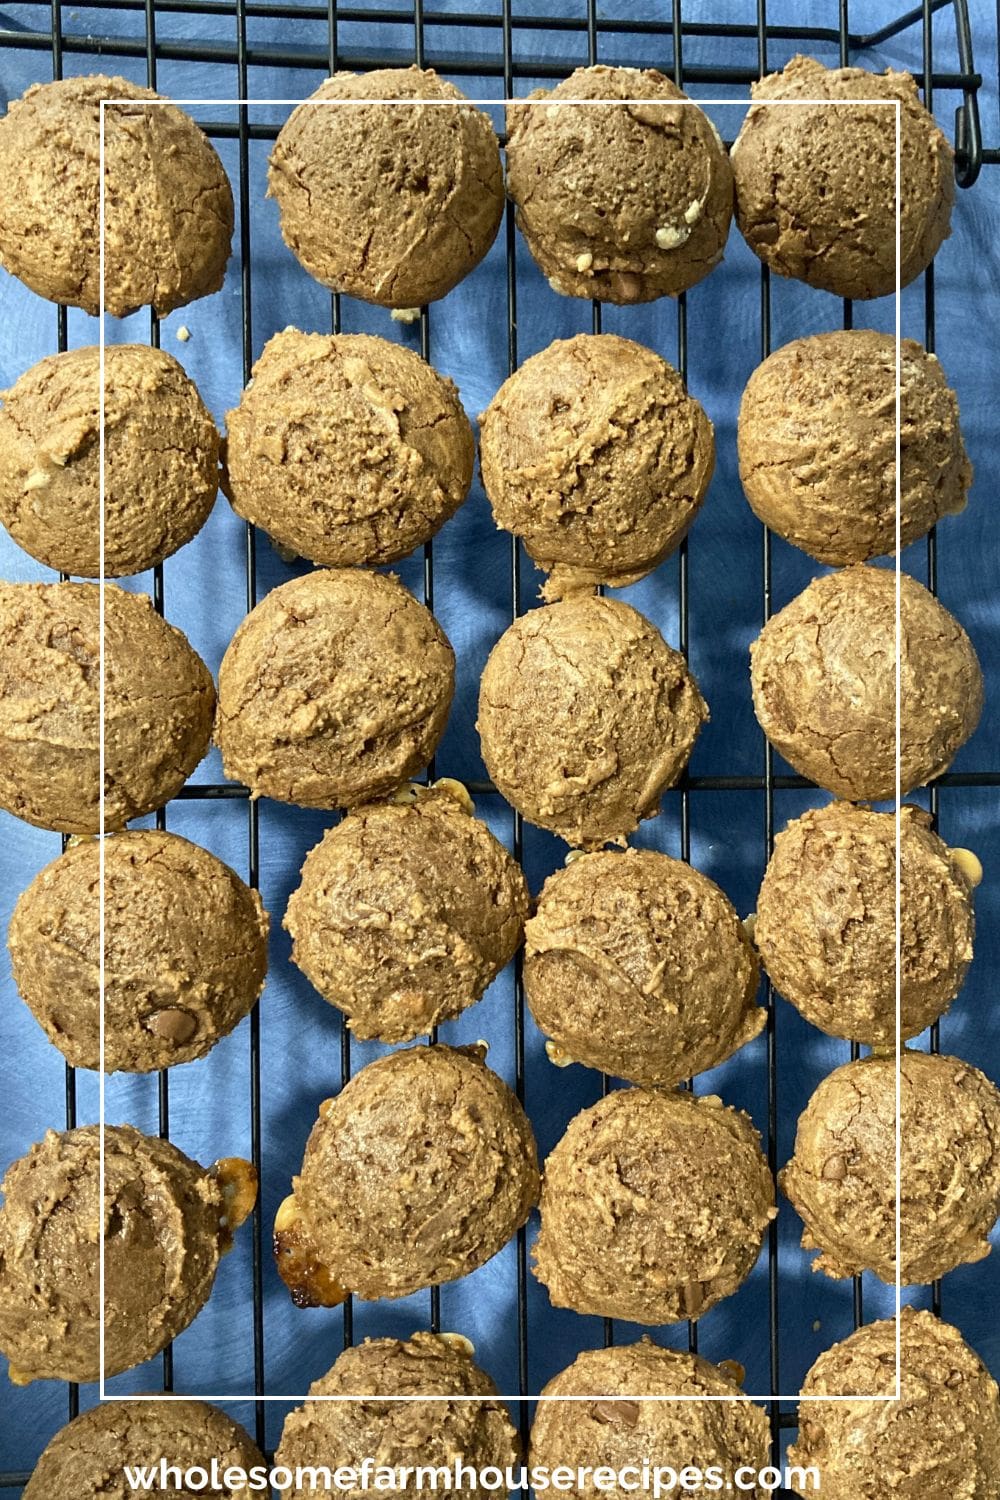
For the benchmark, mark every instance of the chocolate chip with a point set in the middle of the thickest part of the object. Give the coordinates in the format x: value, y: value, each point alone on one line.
x: 734, y: 1370
x: 173, y: 1025
x: 617, y: 1413
x: 954, y: 1380
x: 834, y: 1169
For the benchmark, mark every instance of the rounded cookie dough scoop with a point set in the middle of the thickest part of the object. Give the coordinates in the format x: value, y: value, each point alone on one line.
x: 87, y: 1458
x: 407, y: 910
x: 334, y: 690
x: 706, y: 1422
x: 623, y: 201
x: 418, y: 1172
x: 816, y: 183
x: 394, y: 203
x: 637, y: 965
x: 817, y: 445
x: 167, y: 1222
x: 161, y: 460
x: 168, y: 203
x: 185, y: 951
x: 347, y: 449
x: 825, y: 926
x: 654, y: 1207
x: 473, y: 1423
x: 159, y: 700
x: 941, y: 1438
x: 823, y: 672
x: 586, y: 716
x: 595, y: 455
x: 842, y: 1178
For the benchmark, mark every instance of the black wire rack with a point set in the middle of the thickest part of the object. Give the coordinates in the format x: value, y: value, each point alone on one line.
x: 53, y: 39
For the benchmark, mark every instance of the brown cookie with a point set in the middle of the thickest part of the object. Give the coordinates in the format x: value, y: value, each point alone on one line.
x: 586, y: 716
x: 941, y: 1438
x: 159, y: 701
x: 168, y: 203
x: 638, y: 965
x: 185, y: 951
x: 418, y: 1172
x: 167, y: 1222
x: 817, y: 445
x: 161, y: 460
x: 393, y: 203
x: 654, y: 1207
x: 347, y: 449
x: 816, y: 184
x: 826, y: 921
x: 340, y: 1434
x: 616, y: 1431
x: 823, y: 671
x: 623, y: 202
x: 595, y: 455
x: 86, y: 1460
x: 407, y: 910
x: 842, y: 1178
x: 334, y: 690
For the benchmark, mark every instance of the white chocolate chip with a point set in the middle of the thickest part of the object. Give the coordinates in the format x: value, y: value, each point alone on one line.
x: 38, y: 479
x: 556, y: 1056
x: 584, y: 261
x: 458, y: 791
x: 405, y: 315
x: 693, y: 211
x: 669, y: 237
x: 460, y: 1342
x: 573, y: 856
x: 750, y: 925
x: 969, y: 864
x: 183, y: 333
x: 552, y: 111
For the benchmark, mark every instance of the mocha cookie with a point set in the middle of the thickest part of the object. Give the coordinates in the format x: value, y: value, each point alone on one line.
x: 826, y: 921
x: 823, y: 671
x: 817, y: 445
x: 842, y: 1178
x: 614, y: 1431
x: 340, y: 1434
x: 393, y: 203
x: 637, y: 965
x: 334, y: 690
x: 167, y: 1222
x: 816, y: 185
x: 161, y: 460
x: 418, y: 1172
x: 625, y: 202
x: 185, y: 951
x: 586, y: 716
x: 595, y: 455
x: 654, y: 1207
x: 407, y: 910
x: 941, y: 1438
x: 168, y: 203
x: 159, y: 701
x: 347, y: 449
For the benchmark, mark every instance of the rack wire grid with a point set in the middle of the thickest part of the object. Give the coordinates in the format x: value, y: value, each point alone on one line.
x: 660, y: 42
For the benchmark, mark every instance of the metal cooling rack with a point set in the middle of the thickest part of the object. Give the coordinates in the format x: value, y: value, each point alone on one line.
x: 54, y: 40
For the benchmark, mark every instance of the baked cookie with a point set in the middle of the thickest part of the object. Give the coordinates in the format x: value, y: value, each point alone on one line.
x: 418, y: 1172
x: 654, y: 1207
x: 167, y: 1222
x: 586, y: 716
x: 393, y: 203
x: 340, y: 1434
x: 334, y: 690
x: 159, y: 701
x: 161, y: 460
x: 168, y: 203
x: 185, y: 951
x: 627, y: 202
x: 826, y: 921
x: 347, y: 449
x: 817, y: 445
x: 87, y: 1458
x: 816, y: 184
x: 823, y: 671
x: 638, y: 965
x: 407, y: 910
x: 941, y: 1438
x: 597, y: 458
x: 842, y: 1178
x: 615, y: 1431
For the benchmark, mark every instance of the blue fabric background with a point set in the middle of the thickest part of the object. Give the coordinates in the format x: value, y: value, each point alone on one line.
x: 205, y: 593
